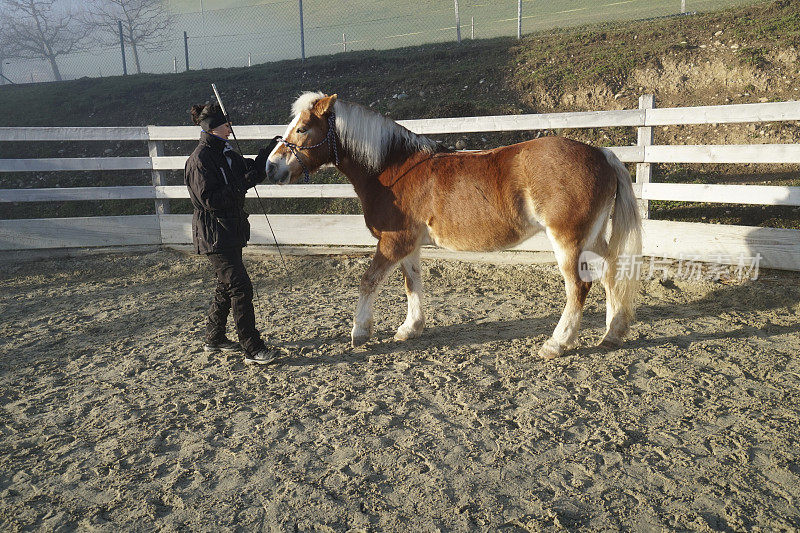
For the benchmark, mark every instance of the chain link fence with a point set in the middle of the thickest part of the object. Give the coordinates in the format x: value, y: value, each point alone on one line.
x: 203, y: 37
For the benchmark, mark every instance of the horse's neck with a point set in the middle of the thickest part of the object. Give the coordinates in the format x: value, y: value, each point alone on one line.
x: 357, y: 174
x: 367, y: 183
x: 358, y: 163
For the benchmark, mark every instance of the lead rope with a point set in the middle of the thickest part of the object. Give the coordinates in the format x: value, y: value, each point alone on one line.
x: 264, y: 210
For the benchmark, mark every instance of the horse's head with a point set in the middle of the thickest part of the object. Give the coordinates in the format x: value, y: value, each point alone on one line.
x: 309, y: 141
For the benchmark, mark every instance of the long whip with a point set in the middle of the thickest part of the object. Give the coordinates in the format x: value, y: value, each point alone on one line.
x: 239, y: 147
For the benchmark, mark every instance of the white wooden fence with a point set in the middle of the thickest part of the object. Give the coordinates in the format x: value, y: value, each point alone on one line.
x: 779, y: 248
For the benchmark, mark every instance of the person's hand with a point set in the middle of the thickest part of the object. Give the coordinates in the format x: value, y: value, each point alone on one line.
x: 261, y: 163
x: 272, y: 143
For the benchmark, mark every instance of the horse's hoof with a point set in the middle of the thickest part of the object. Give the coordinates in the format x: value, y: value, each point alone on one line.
x: 405, y: 332
x: 358, y: 341
x: 360, y: 335
x: 405, y: 335
x: 610, y: 342
x: 550, y: 350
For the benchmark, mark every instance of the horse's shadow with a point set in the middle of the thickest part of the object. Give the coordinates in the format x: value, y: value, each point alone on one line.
x: 737, y: 298
x: 450, y: 336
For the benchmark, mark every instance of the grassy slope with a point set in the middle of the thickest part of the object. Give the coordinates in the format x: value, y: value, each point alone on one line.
x: 594, y: 67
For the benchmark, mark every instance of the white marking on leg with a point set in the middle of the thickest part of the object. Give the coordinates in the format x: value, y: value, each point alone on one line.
x: 415, y: 318
x: 566, y: 330
x: 598, y: 243
x: 362, y: 322
x: 613, y: 333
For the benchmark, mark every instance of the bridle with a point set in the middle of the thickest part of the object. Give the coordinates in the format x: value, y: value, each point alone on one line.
x: 330, y: 138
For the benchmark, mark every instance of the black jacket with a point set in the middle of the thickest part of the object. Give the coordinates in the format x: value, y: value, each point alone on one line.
x: 217, y: 189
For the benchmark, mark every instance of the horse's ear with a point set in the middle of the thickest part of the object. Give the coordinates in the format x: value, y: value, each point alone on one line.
x: 325, y: 105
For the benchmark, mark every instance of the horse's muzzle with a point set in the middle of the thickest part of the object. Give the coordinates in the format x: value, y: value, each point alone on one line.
x: 272, y: 172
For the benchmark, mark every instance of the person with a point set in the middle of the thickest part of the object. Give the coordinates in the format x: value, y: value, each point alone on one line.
x: 218, y: 178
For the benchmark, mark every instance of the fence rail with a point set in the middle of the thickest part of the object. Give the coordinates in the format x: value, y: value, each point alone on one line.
x: 779, y: 248
x: 73, y: 134
x: 738, y: 153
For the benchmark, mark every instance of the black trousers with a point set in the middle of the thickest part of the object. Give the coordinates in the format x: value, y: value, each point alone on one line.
x: 234, y: 290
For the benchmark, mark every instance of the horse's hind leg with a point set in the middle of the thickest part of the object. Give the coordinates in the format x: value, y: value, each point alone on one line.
x: 567, y: 255
x: 619, y: 303
x: 415, y: 319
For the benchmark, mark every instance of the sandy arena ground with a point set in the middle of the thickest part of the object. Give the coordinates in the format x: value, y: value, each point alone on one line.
x: 112, y: 417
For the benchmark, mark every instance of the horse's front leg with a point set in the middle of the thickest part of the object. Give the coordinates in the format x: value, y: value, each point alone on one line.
x: 376, y: 273
x: 415, y: 319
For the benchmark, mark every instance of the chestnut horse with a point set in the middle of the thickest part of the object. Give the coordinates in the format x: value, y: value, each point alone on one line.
x: 414, y: 192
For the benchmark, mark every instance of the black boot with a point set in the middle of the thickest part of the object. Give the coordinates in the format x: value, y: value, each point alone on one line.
x: 223, y: 345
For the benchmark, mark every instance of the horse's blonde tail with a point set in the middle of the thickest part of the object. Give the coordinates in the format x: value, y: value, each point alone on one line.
x: 623, y: 254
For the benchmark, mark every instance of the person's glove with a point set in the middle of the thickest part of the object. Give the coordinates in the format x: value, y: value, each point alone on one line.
x: 261, y: 163
x: 273, y: 143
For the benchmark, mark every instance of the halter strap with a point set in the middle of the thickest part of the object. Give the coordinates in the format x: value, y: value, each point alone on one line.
x: 330, y: 137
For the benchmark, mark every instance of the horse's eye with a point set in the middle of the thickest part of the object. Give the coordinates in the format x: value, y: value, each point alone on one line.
x: 302, y: 130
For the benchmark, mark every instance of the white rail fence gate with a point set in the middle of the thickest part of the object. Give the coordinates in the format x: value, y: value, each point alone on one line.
x: 779, y: 248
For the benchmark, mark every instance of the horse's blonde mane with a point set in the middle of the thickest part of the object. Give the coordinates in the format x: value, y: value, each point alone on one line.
x: 305, y: 102
x: 367, y: 136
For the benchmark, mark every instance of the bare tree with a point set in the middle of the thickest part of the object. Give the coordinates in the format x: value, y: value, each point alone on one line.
x: 145, y: 23
x: 40, y: 30
x: 8, y: 50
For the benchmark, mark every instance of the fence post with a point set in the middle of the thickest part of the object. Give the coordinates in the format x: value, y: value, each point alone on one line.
x: 156, y: 149
x: 644, y: 171
x: 186, y: 49
x: 122, y: 47
x: 519, y: 19
x: 302, y: 33
x: 472, y: 34
x: 458, y: 24
x: 683, y: 6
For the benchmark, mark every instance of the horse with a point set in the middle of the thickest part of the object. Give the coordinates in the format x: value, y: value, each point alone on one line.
x: 415, y: 192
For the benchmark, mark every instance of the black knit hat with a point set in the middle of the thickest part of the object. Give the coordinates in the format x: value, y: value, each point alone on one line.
x: 208, y: 117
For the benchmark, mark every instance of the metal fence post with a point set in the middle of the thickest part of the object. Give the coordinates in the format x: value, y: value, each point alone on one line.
x: 683, y: 6
x: 519, y: 19
x: 644, y: 171
x: 186, y: 49
x: 302, y: 33
x: 472, y: 35
x: 122, y: 47
x: 156, y: 149
x: 458, y: 24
